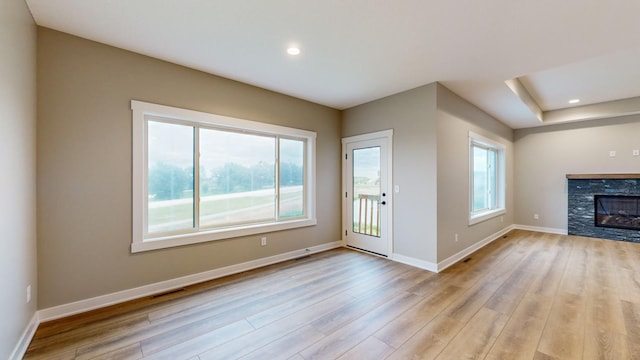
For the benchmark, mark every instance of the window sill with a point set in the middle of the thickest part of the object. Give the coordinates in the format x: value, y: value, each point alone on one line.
x: 205, y: 236
x: 484, y: 216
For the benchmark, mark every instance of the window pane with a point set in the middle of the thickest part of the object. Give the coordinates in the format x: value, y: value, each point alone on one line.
x: 170, y: 177
x: 291, y: 178
x: 480, y: 179
x: 492, y: 178
x: 366, y: 191
x: 237, y: 178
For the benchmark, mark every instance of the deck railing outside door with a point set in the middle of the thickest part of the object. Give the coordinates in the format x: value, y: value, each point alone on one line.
x: 368, y: 215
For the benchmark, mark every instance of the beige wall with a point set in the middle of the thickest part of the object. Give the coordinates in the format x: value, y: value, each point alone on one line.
x: 545, y: 155
x: 411, y: 115
x: 17, y: 177
x: 84, y: 167
x: 431, y: 165
x: 456, y: 117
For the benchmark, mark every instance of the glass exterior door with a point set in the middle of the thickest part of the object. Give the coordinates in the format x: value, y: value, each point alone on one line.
x: 366, y: 174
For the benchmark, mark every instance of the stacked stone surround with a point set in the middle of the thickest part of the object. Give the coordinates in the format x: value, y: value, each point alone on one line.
x: 581, y: 211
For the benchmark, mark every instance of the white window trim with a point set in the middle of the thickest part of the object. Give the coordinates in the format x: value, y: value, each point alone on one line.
x: 500, y: 209
x: 140, y: 110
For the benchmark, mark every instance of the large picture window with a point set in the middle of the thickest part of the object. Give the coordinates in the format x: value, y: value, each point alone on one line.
x: 200, y: 177
x: 486, y: 169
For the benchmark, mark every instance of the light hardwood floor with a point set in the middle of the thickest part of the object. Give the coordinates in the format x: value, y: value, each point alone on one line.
x: 525, y: 296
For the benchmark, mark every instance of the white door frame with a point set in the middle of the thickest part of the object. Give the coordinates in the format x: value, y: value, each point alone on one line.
x: 346, y: 186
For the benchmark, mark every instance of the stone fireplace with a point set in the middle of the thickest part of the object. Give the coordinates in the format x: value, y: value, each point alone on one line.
x: 604, y: 206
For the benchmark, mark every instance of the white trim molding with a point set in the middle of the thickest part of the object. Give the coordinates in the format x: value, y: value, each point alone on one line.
x: 23, y: 344
x: 420, y: 264
x: 97, y: 302
x: 541, y: 229
x: 427, y: 265
x: 473, y: 248
x: 163, y: 286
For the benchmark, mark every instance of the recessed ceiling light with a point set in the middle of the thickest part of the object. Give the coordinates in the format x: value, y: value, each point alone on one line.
x: 574, y: 101
x: 292, y: 50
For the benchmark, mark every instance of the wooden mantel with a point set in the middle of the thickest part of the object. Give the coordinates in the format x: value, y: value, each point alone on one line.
x: 603, y: 176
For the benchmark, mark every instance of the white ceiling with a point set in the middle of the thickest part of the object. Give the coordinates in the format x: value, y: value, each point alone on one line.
x: 606, y: 78
x: 355, y: 51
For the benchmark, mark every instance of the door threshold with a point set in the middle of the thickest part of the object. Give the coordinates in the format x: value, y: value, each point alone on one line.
x: 368, y: 251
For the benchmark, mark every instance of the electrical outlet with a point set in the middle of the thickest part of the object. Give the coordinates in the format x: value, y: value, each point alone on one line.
x: 501, y: 218
x: 536, y: 216
x: 455, y: 237
x: 612, y: 153
x: 28, y: 294
x: 263, y: 241
x: 636, y: 152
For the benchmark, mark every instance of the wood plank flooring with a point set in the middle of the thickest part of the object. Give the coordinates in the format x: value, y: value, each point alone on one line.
x: 525, y: 296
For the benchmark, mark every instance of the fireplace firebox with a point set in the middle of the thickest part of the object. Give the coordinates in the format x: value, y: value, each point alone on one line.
x: 617, y: 211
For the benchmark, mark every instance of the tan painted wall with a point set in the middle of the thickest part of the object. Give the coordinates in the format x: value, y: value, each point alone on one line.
x: 84, y: 167
x: 431, y: 165
x: 17, y: 177
x: 456, y: 117
x: 546, y: 154
x: 411, y: 115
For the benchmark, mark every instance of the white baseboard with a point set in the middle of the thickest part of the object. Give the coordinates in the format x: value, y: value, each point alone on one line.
x: 421, y: 264
x: 163, y: 286
x: 473, y: 248
x: 541, y: 229
x: 25, y: 339
x: 427, y: 265
x: 146, y: 290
